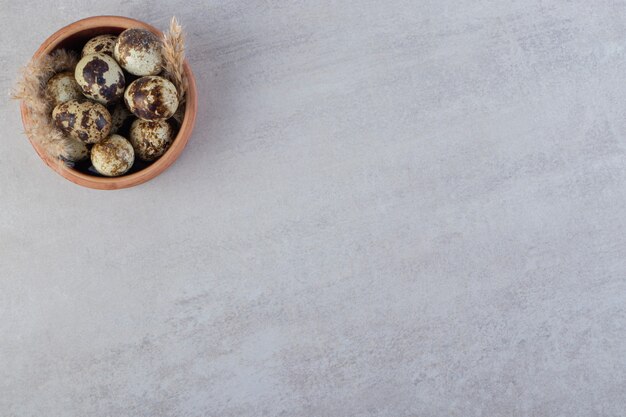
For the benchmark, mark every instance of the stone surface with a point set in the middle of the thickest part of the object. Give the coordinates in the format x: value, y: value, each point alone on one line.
x: 390, y: 208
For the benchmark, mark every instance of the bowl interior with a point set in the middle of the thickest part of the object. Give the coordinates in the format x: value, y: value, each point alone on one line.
x: 76, y: 40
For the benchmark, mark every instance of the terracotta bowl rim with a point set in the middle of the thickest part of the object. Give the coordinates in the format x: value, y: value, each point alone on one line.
x: 154, y: 169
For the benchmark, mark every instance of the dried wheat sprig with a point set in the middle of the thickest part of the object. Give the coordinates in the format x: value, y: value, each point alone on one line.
x: 174, y: 58
x: 31, y: 89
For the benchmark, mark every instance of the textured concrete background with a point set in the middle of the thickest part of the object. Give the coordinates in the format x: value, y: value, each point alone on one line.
x: 388, y: 208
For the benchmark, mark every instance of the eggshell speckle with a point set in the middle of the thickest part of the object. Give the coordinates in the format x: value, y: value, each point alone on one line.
x: 100, y: 78
x: 82, y: 119
x: 113, y: 156
x: 62, y: 87
x: 151, y: 98
x: 102, y: 44
x: 150, y: 139
x: 139, y: 52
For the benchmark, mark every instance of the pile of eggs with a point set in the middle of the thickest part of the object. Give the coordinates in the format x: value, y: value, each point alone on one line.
x: 109, y: 120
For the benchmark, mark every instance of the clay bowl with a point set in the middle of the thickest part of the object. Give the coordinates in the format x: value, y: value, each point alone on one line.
x: 74, y: 36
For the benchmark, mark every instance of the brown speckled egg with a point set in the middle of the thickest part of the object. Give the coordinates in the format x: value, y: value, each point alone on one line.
x: 151, y: 98
x: 139, y: 52
x: 74, y: 150
x: 113, y: 156
x: 150, y: 139
x: 100, y: 78
x: 83, y: 119
x: 121, y: 118
x: 62, y: 87
x: 102, y: 44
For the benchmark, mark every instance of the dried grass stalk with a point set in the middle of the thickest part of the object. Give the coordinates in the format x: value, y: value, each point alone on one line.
x: 31, y: 89
x: 174, y: 58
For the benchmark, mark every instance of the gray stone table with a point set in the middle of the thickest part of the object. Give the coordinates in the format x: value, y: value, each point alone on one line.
x: 388, y: 208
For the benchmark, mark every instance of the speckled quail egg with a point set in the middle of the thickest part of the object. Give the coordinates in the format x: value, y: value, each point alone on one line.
x: 83, y: 119
x: 121, y: 119
x: 150, y: 139
x: 113, y: 156
x: 151, y: 98
x: 62, y: 87
x: 139, y: 52
x: 103, y: 44
x: 100, y: 78
x: 74, y: 150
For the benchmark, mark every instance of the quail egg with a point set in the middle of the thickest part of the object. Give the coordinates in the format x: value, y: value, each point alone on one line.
x: 151, y: 98
x: 83, y: 119
x: 113, y: 156
x: 62, y: 87
x: 74, y: 150
x: 139, y: 52
x: 121, y: 119
x: 100, y: 78
x: 150, y: 139
x: 103, y: 44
